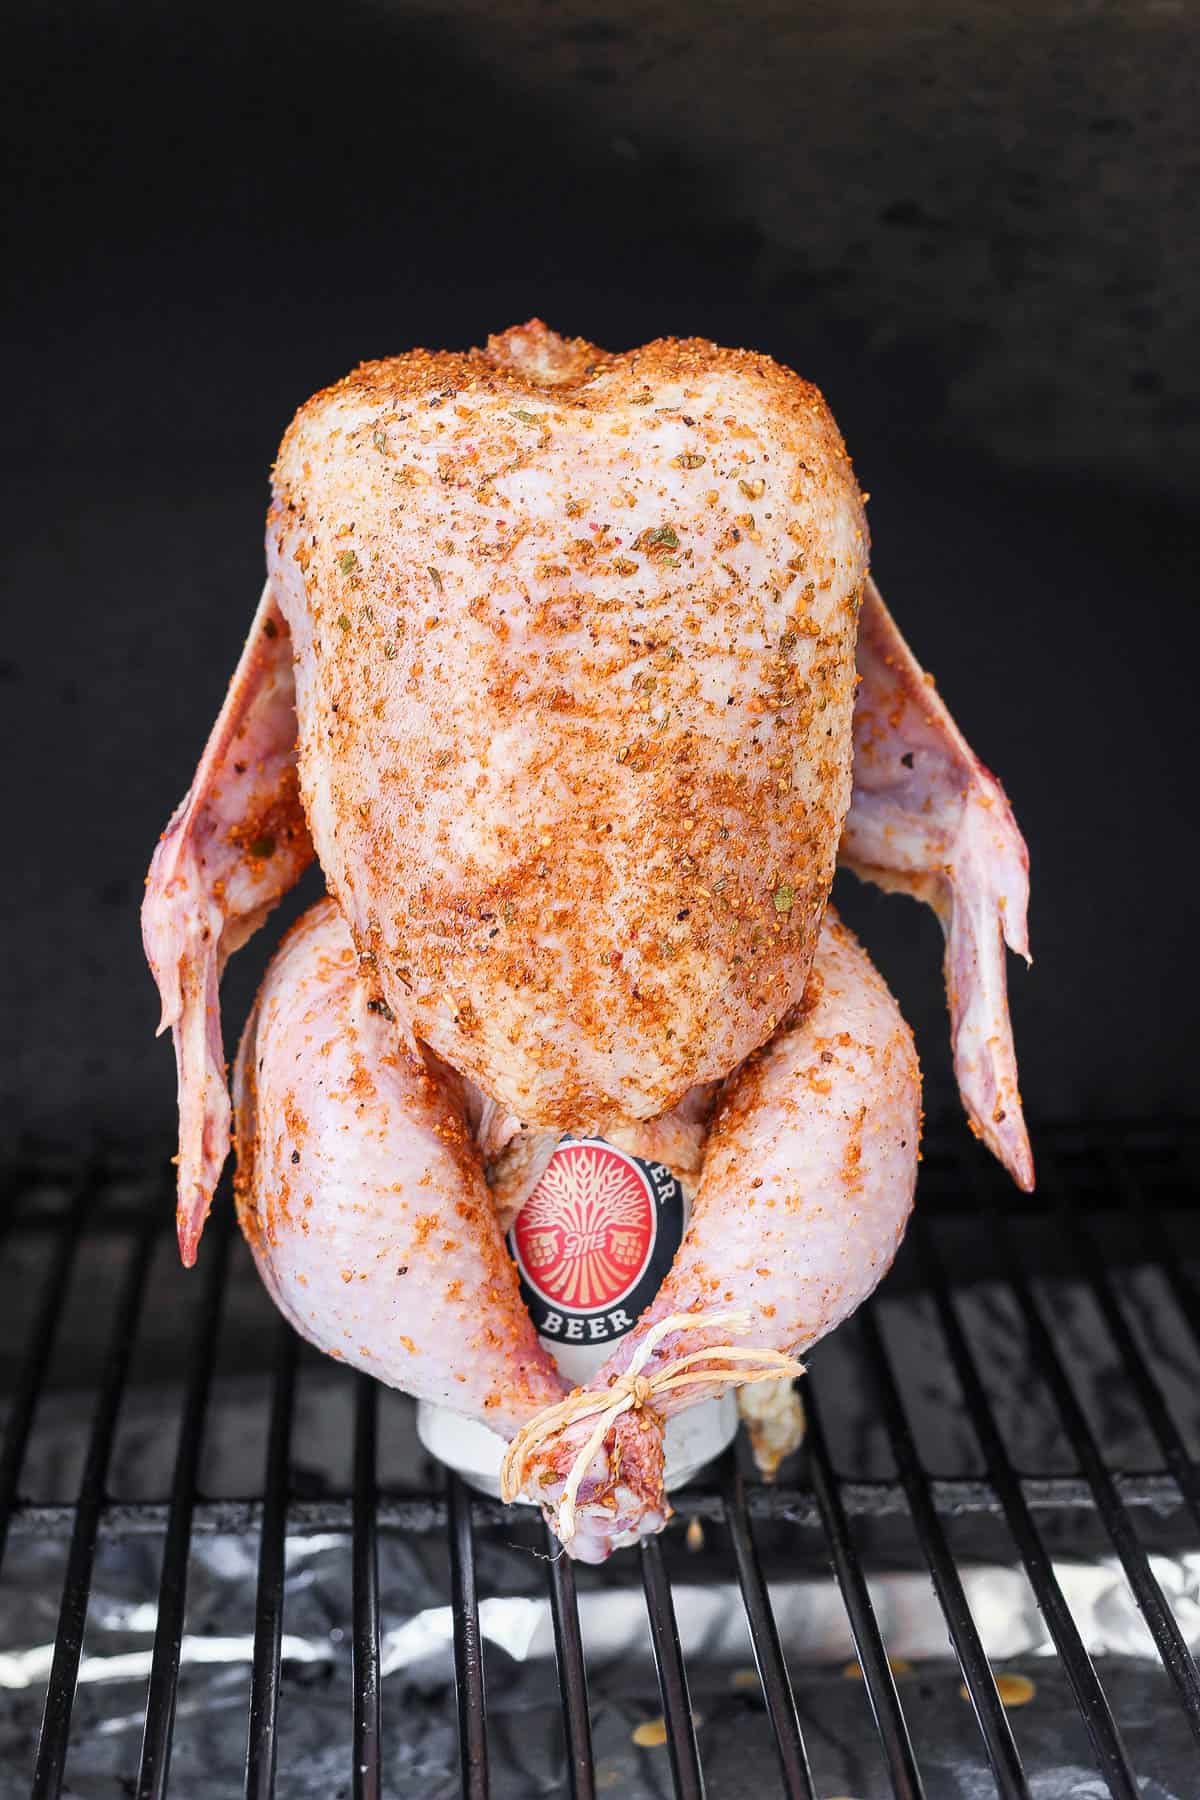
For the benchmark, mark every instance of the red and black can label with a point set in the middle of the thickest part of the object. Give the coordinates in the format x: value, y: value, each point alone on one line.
x: 594, y: 1240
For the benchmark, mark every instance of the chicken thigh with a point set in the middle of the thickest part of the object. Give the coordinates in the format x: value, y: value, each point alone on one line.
x: 360, y: 1191
x: 806, y: 1186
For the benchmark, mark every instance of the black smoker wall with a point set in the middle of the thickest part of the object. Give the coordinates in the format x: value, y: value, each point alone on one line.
x: 970, y: 226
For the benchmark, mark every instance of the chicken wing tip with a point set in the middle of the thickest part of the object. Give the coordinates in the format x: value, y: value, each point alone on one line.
x: 1019, y: 1164
x: 1009, y: 1144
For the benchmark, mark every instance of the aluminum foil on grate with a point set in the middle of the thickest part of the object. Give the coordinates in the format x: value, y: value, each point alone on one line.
x: 421, y: 1734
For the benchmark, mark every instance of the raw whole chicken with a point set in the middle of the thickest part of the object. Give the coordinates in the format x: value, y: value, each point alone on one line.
x: 555, y: 673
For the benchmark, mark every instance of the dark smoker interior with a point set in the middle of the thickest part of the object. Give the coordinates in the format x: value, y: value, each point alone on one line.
x: 972, y: 227
x: 971, y: 233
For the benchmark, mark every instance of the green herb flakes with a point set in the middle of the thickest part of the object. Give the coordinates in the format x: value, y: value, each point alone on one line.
x: 784, y: 898
x: 347, y: 562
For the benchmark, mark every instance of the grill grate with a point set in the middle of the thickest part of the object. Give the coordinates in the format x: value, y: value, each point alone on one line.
x: 1111, y: 1197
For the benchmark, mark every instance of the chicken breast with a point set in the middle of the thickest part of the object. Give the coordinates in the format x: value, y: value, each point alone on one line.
x: 574, y: 639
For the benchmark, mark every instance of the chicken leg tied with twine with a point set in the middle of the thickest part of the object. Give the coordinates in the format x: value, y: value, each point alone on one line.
x: 726, y: 1364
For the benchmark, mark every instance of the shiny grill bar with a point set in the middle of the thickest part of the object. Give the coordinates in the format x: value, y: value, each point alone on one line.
x: 1083, y: 1175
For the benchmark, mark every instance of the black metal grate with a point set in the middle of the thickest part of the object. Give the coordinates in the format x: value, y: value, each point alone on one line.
x: 1109, y: 1201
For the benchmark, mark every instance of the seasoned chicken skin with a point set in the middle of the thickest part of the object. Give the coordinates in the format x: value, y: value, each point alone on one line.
x: 570, y: 672
x: 360, y: 1191
x: 574, y: 642
x: 679, y: 866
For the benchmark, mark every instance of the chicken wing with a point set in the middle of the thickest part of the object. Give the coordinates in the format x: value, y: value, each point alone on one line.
x: 232, y: 849
x: 927, y: 819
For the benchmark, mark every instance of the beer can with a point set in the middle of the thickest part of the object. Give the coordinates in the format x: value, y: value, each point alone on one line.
x: 592, y: 1245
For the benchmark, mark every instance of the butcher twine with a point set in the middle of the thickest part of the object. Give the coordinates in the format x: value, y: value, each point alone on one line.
x: 632, y: 1391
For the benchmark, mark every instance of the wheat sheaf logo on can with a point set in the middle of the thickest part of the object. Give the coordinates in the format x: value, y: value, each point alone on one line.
x: 594, y: 1240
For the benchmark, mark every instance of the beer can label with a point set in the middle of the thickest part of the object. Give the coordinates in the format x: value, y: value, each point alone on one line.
x: 592, y: 1244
